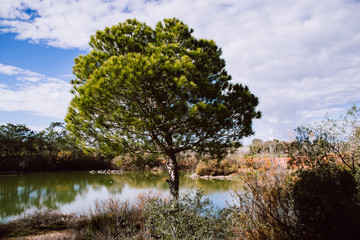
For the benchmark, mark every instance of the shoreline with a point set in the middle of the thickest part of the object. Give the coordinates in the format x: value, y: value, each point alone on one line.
x: 209, y: 177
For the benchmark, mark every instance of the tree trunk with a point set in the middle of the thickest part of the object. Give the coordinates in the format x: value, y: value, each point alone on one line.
x: 173, y: 176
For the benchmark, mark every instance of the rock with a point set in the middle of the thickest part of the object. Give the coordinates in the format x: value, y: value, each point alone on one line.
x: 106, y: 172
x: 194, y: 176
x: 208, y: 177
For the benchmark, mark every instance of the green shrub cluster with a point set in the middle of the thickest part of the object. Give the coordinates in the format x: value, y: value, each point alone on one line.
x: 153, y: 217
x: 190, y: 217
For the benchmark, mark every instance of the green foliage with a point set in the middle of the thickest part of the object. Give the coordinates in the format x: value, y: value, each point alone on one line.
x: 17, y: 143
x: 191, y: 217
x: 319, y: 203
x: 326, y: 204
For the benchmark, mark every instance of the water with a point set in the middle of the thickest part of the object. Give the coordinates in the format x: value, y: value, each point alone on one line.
x: 77, y: 192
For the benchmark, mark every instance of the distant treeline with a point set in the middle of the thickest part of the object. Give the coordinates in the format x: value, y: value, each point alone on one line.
x: 274, y: 147
x: 53, y: 149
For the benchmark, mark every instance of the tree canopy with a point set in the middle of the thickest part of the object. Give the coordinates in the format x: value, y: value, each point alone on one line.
x: 158, y: 90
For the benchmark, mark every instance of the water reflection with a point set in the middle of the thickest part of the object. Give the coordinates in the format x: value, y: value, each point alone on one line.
x: 77, y: 191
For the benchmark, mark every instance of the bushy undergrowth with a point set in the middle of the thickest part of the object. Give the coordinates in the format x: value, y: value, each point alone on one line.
x: 115, y: 218
x: 263, y: 209
x: 191, y: 217
x: 155, y: 217
x: 314, y: 203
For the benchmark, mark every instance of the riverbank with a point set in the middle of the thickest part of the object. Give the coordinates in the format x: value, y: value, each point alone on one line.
x: 141, y: 219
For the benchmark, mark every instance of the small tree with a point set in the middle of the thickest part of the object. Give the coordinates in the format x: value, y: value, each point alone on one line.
x: 330, y: 140
x: 157, y: 90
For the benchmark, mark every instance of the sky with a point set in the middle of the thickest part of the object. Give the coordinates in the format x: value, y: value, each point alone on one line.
x: 301, y: 58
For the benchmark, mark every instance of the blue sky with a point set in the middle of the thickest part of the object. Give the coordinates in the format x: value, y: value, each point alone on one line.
x: 29, y: 70
x: 301, y: 58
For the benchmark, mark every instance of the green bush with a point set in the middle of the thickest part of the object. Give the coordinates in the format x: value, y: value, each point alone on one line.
x: 190, y: 217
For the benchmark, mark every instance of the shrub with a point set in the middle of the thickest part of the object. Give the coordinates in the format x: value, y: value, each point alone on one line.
x: 263, y: 209
x: 331, y: 141
x: 314, y: 203
x: 115, y: 218
x: 325, y: 203
x: 190, y: 217
x: 215, y: 168
x: 203, y: 169
x: 137, y: 162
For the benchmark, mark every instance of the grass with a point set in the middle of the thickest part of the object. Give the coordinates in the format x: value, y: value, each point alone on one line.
x: 41, y: 221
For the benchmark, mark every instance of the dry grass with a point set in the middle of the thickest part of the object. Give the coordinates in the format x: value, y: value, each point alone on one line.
x: 43, y: 222
x: 68, y: 234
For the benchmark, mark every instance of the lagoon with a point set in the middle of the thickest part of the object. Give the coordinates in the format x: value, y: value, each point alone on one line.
x: 77, y: 192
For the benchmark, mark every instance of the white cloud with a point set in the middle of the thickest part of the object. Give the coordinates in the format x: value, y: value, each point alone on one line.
x: 12, y: 70
x: 12, y: 9
x: 301, y: 58
x: 9, y: 70
x: 35, y: 93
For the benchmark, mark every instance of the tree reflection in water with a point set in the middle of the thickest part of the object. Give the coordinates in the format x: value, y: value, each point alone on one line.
x: 79, y: 190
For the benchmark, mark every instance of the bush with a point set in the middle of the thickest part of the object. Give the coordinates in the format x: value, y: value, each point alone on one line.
x: 115, y: 218
x: 331, y: 141
x: 204, y: 169
x: 138, y: 162
x: 263, y: 209
x: 314, y: 203
x: 190, y: 217
x: 325, y: 203
x: 215, y: 168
